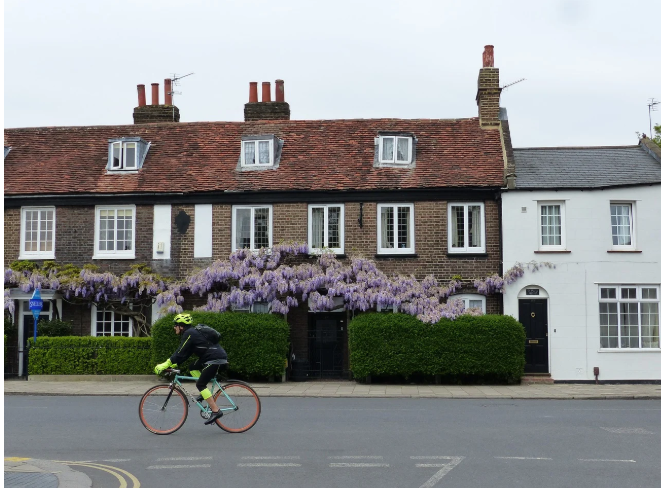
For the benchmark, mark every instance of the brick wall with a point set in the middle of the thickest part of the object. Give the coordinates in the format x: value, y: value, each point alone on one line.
x: 12, y: 229
x: 488, y: 97
x: 266, y: 111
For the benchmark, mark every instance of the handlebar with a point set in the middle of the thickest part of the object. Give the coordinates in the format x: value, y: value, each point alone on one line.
x: 171, y: 371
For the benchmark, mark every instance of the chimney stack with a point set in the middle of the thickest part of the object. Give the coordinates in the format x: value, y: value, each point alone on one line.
x: 488, y: 91
x: 142, y: 101
x: 266, y: 109
x: 145, y: 114
x: 168, y: 91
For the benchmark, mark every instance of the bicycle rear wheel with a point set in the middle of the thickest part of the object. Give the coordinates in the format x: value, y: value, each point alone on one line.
x: 246, y: 410
x: 161, y: 418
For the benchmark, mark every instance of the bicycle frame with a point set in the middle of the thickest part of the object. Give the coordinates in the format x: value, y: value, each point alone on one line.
x: 176, y: 381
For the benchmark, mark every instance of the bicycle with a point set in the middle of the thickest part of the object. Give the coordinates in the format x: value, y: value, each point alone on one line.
x: 163, y: 409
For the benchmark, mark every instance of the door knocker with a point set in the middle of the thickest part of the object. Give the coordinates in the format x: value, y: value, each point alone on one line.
x: 532, y: 314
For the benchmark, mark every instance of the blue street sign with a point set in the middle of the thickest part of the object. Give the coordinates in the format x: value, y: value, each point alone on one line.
x: 36, y: 304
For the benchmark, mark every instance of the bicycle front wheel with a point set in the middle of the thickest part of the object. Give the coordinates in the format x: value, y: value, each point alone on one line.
x: 245, y: 411
x: 163, y: 413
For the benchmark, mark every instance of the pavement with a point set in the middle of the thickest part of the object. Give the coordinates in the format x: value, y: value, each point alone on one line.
x: 137, y: 386
x: 39, y: 473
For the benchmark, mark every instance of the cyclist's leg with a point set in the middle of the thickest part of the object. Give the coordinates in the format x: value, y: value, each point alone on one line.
x: 206, y: 375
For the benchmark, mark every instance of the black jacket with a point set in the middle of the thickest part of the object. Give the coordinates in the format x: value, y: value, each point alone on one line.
x: 193, y: 342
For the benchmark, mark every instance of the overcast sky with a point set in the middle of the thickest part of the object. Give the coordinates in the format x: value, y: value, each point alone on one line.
x: 590, y: 66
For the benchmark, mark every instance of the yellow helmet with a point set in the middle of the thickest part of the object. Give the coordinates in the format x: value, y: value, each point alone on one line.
x: 183, y: 318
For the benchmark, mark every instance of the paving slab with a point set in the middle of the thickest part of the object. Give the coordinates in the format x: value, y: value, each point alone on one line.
x: 40, y: 473
x: 115, y: 386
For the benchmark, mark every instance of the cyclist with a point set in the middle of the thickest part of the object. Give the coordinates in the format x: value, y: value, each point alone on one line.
x: 193, y: 342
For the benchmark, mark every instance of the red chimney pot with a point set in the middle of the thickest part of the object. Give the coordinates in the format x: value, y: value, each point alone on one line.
x: 266, y: 91
x: 279, y: 91
x: 252, y: 98
x: 142, y: 101
x: 154, y: 93
x: 168, y: 91
x: 487, y: 56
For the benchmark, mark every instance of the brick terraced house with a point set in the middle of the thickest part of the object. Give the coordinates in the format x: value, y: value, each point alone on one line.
x: 419, y: 196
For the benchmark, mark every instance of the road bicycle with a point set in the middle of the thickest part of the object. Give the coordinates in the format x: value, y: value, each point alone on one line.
x: 164, y: 408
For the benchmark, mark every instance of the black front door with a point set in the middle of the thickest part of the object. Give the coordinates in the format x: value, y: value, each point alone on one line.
x: 533, y: 316
x: 325, y: 334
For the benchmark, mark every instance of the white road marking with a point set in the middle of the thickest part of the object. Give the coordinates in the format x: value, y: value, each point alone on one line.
x: 434, y: 457
x: 270, y: 457
x: 268, y: 465
x: 177, y: 466
x: 525, y: 458
x: 358, y: 465
x: 355, y: 457
x: 454, y: 461
x: 625, y: 430
x: 610, y: 460
x: 203, y: 458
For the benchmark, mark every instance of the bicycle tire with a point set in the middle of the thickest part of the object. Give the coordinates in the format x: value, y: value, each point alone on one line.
x: 248, y: 403
x: 154, y: 418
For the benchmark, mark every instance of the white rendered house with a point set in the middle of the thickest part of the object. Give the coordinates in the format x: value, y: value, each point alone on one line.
x: 595, y: 213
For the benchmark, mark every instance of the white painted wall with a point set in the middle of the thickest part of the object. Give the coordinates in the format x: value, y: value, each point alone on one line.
x: 574, y: 334
x: 203, y: 240
x: 162, y: 231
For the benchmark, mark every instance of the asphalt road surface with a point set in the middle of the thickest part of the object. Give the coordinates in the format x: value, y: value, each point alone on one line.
x: 342, y: 442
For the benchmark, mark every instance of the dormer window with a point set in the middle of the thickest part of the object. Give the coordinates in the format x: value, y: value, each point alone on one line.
x: 260, y: 152
x: 126, y: 154
x: 395, y: 149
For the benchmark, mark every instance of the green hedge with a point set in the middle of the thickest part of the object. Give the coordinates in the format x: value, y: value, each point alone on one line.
x: 90, y: 355
x: 487, y: 347
x: 256, y: 343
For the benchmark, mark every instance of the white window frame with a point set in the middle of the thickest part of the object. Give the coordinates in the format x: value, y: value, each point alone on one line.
x: 252, y: 225
x: 483, y: 235
x: 95, y: 309
x: 563, y: 226
x: 467, y: 297
x: 336, y: 250
x: 618, y: 300
x: 23, y: 254
x: 251, y: 308
x: 632, y: 226
x: 115, y: 254
x: 257, y: 163
x: 394, y: 153
x: 395, y: 250
x: 122, y: 152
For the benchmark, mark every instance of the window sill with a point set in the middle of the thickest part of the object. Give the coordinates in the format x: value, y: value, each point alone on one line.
x: 113, y: 256
x: 553, y: 252
x: 634, y: 350
x: 391, y: 256
x: 36, y: 257
x: 624, y: 251
x: 467, y: 255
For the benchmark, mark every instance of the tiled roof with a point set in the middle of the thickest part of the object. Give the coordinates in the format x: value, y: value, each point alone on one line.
x: 203, y: 156
x: 585, y: 167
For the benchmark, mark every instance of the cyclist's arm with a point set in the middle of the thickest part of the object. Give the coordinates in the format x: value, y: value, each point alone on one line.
x: 185, y: 348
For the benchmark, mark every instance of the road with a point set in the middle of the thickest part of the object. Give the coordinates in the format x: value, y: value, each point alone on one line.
x: 340, y: 442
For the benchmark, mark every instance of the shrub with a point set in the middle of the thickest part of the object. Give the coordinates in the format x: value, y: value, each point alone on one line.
x: 90, y: 355
x: 54, y: 328
x: 473, y: 348
x: 256, y: 343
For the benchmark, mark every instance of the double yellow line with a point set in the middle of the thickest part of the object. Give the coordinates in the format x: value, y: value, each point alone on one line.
x: 108, y: 469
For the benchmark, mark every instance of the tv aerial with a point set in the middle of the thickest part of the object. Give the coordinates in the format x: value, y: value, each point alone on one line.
x: 651, y: 107
x: 504, y: 87
x: 173, y: 92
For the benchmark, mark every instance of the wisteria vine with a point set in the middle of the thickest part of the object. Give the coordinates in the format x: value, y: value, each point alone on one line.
x: 282, y: 277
